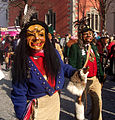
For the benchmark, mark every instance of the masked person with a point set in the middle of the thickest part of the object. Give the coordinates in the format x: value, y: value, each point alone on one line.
x: 37, y: 73
x: 85, y: 54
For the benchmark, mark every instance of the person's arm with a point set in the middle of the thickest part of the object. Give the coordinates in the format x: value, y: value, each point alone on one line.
x: 67, y: 69
x: 19, y: 99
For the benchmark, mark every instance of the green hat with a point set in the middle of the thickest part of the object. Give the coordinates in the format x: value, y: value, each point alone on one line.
x: 50, y: 28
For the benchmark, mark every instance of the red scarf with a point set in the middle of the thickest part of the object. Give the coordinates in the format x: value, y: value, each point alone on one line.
x: 37, y: 59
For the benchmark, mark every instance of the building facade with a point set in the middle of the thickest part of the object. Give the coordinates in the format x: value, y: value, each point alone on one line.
x: 55, y: 12
x: 3, y: 13
x: 60, y: 13
x: 110, y: 19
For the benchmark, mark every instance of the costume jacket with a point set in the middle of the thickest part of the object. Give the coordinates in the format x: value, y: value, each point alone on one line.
x: 37, y: 86
x: 77, y: 60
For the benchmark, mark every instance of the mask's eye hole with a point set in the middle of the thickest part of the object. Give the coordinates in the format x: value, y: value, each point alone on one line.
x: 41, y: 35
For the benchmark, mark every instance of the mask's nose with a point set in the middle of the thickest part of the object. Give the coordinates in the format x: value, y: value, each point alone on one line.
x: 36, y: 36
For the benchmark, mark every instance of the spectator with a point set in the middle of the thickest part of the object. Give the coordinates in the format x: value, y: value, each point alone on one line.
x: 110, y: 45
x: 102, y: 50
x: 7, y: 50
x: 55, y: 42
x: 111, y: 68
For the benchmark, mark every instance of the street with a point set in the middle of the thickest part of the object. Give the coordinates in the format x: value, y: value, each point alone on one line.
x: 67, y: 101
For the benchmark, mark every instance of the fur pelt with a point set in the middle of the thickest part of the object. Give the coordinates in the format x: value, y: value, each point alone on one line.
x: 79, y: 111
x: 78, y: 82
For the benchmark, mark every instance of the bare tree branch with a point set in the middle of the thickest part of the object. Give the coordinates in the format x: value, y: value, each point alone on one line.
x: 108, y: 5
x: 16, y: 4
x: 3, y: 7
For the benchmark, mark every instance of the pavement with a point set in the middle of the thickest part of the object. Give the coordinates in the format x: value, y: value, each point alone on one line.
x: 67, y: 100
x: 108, y: 101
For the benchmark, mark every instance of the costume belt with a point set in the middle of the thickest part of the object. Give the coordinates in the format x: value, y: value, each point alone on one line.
x: 91, y: 78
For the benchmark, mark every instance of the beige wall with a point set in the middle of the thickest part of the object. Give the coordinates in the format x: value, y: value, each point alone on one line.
x: 110, y: 19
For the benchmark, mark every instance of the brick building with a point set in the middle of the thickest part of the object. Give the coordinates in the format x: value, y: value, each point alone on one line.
x: 55, y: 12
x: 60, y: 13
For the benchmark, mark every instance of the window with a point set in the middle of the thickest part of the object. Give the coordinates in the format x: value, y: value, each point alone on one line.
x: 6, y: 14
x: 50, y: 18
x: 47, y: 19
x: 4, y: 0
x: 88, y: 20
x: 17, y: 21
x: 12, y: 0
x: 92, y: 21
x: 96, y: 22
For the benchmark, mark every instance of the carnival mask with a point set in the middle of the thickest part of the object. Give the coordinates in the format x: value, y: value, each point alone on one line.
x: 88, y: 36
x: 36, y: 37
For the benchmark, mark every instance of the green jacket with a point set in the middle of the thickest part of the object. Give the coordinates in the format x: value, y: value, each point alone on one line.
x: 77, y: 60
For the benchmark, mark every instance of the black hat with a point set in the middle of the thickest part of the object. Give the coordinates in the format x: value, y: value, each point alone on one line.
x: 85, y: 29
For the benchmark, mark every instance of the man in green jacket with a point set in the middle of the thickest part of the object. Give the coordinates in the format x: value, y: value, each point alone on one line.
x: 85, y: 54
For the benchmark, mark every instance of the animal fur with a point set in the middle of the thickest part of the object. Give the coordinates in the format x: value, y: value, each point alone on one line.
x: 79, y: 111
x: 76, y: 86
x: 78, y: 82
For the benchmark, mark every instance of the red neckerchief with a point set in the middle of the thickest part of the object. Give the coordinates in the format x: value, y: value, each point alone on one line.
x: 38, y: 61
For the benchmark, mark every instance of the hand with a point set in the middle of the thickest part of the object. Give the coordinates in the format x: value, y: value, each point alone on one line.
x: 83, y: 75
